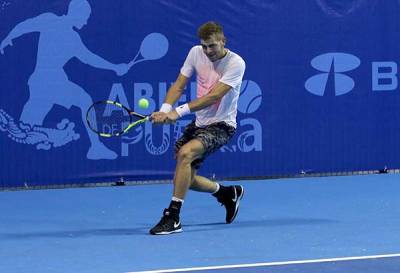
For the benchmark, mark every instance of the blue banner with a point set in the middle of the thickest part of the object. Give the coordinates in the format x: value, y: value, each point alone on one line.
x: 320, y: 92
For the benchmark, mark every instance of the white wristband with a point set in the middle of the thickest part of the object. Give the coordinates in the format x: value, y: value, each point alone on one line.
x: 165, y: 108
x: 183, y: 110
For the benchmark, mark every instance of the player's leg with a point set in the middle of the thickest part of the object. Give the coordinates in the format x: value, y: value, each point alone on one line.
x: 214, y: 137
x: 228, y: 196
x: 189, y: 152
x: 202, y: 184
x: 170, y: 222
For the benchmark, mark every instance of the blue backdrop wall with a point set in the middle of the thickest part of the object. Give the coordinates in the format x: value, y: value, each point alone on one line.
x: 320, y: 90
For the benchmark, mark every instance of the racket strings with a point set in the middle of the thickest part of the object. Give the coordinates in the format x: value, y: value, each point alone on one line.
x: 108, y: 118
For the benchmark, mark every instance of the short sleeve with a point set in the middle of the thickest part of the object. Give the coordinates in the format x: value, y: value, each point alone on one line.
x: 187, y: 69
x: 234, y: 72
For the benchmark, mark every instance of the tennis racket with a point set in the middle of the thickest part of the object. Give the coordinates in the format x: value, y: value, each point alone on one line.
x: 110, y: 118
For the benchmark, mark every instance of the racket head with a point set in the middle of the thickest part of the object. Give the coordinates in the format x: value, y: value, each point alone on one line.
x: 109, y: 118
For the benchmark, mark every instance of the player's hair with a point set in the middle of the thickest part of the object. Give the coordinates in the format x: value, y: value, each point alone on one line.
x: 209, y: 29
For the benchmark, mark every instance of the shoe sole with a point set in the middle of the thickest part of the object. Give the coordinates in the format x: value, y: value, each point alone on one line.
x: 167, y: 232
x: 237, y: 205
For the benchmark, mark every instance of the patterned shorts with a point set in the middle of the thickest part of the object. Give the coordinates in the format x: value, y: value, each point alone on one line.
x: 213, y: 137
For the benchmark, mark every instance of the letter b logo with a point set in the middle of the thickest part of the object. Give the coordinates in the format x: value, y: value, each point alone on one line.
x: 334, y: 64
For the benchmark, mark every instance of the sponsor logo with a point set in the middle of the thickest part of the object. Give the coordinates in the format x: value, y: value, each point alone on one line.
x: 332, y: 66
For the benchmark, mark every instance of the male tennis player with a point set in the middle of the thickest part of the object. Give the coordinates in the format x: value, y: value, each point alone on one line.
x: 219, y: 76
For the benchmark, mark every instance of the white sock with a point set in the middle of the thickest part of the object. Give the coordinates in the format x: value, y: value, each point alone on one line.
x: 216, y: 189
x: 176, y: 199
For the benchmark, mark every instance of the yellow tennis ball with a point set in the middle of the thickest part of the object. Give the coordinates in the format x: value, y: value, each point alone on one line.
x: 144, y: 103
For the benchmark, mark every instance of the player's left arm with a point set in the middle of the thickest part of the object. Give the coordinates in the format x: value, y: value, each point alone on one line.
x: 215, y: 95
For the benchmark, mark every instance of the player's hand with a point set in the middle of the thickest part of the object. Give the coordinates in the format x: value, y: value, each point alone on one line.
x: 6, y: 42
x: 121, y: 69
x: 158, y: 117
x: 172, y: 117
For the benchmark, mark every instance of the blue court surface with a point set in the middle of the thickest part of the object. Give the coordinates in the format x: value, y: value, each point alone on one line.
x: 305, y: 225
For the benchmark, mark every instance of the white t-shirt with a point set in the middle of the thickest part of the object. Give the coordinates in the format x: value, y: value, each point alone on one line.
x: 228, y: 70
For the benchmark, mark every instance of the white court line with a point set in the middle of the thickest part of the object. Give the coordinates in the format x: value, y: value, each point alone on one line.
x: 271, y: 264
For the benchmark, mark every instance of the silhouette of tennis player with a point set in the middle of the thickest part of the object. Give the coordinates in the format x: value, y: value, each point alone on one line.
x: 49, y: 84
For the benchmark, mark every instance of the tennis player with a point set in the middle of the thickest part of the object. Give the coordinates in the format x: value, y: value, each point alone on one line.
x: 219, y: 76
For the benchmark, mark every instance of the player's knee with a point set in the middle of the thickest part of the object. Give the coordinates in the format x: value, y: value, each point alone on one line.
x: 185, y: 155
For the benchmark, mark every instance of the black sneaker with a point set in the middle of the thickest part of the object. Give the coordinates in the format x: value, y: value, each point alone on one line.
x: 231, y: 202
x: 167, y: 225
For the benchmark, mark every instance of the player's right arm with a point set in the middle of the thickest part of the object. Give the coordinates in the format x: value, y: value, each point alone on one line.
x: 35, y: 24
x: 173, y: 95
x: 176, y: 90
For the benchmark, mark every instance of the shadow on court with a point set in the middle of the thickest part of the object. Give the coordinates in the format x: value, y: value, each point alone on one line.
x: 76, y: 233
x: 143, y: 230
x: 261, y: 223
